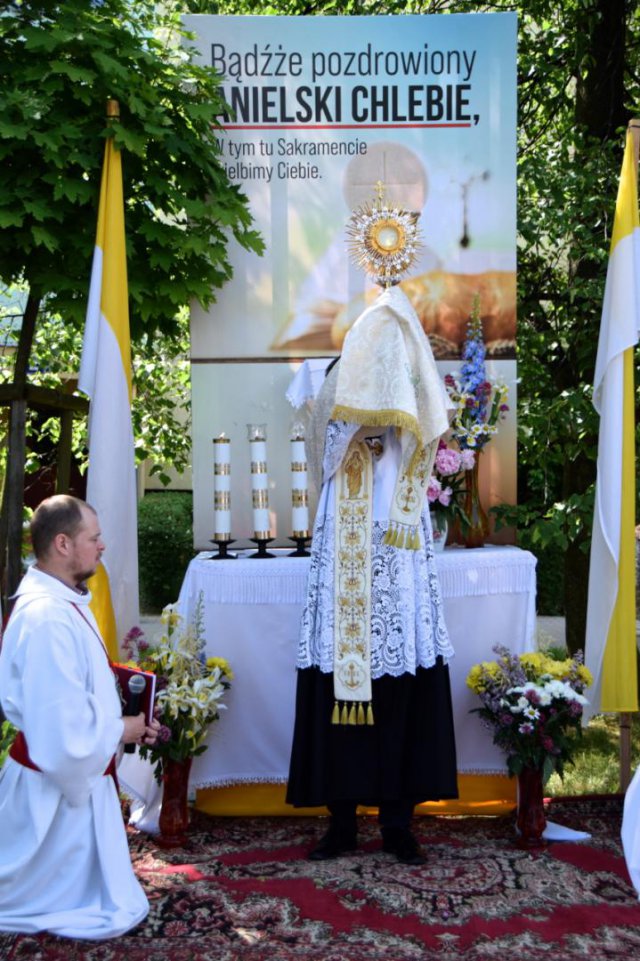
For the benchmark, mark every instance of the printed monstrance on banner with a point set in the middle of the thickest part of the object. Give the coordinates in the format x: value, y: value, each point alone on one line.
x: 322, y: 109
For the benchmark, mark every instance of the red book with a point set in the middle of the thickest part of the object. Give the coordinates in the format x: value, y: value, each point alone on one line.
x: 124, y: 673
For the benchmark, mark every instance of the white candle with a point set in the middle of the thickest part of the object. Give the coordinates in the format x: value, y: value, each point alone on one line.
x: 222, y: 488
x: 259, y: 481
x: 299, y: 488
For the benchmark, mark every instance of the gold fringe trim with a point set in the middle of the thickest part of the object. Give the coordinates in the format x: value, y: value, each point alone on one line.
x: 352, y: 713
x: 379, y: 418
x: 397, y: 535
x: 389, y: 417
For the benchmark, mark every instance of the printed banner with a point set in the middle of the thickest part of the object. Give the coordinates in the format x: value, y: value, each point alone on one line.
x: 322, y: 110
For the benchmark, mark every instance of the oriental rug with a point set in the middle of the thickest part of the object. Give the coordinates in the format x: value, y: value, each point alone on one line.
x: 243, y: 888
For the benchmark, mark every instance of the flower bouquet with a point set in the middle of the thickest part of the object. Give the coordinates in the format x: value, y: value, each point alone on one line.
x: 479, y: 408
x: 446, y: 489
x: 480, y: 405
x: 189, y: 686
x: 533, y: 704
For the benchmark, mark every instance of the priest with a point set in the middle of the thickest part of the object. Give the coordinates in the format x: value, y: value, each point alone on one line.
x: 64, y: 860
x: 374, y: 723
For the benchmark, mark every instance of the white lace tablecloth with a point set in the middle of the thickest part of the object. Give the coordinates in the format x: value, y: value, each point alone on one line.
x: 252, y: 612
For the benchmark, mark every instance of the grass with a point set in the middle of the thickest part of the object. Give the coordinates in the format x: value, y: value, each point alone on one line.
x: 596, y: 767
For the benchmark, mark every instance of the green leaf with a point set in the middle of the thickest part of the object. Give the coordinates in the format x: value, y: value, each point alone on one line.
x: 75, y: 73
x: 45, y: 238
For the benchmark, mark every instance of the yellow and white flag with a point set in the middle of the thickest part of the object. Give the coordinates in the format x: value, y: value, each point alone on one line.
x: 105, y: 375
x: 610, y: 647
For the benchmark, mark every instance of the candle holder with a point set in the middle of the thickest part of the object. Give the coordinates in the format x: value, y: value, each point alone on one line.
x: 223, y: 549
x: 301, y: 546
x: 262, y: 547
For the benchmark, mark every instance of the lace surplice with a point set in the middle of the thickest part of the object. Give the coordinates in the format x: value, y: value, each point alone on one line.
x: 407, y: 621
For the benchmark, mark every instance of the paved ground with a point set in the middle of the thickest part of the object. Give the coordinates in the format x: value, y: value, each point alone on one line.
x: 550, y: 630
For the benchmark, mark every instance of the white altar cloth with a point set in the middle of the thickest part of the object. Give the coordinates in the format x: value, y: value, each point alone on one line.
x: 252, y: 610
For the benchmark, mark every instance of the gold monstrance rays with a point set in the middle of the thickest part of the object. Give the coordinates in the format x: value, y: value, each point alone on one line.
x: 383, y: 240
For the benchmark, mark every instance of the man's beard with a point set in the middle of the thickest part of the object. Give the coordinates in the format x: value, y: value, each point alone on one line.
x: 81, y: 577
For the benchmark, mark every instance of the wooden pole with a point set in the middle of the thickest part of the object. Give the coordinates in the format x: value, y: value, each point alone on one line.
x: 15, y: 494
x: 63, y: 460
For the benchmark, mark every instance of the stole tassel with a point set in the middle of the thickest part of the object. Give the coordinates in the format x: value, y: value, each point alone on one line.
x: 352, y: 713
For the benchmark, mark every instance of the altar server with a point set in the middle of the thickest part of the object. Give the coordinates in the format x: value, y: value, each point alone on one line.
x: 374, y: 723
x: 64, y: 860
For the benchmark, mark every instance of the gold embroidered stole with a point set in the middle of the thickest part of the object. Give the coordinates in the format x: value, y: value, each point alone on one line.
x: 408, y: 500
x: 352, y: 587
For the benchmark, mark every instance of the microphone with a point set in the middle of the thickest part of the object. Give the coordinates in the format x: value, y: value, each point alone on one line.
x: 137, y: 684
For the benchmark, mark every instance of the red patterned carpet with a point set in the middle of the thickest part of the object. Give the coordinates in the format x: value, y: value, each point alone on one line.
x: 242, y: 888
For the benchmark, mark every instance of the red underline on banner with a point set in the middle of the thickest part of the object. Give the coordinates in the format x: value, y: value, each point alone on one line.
x: 343, y: 126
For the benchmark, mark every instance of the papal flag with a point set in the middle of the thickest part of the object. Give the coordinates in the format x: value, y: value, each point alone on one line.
x: 105, y: 375
x: 610, y: 647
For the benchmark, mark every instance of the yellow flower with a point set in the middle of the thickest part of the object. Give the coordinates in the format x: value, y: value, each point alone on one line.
x: 223, y: 665
x: 170, y: 616
x: 534, y: 663
x: 585, y: 675
x: 480, y: 674
x: 557, y: 669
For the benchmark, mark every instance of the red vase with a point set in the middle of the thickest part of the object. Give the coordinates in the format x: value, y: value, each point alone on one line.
x: 531, y: 820
x: 477, y: 530
x: 174, y: 811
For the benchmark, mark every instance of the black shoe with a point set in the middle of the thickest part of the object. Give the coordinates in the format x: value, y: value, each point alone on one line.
x: 401, y: 842
x: 334, y: 843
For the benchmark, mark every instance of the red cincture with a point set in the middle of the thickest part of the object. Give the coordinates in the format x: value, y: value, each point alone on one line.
x: 20, y: 753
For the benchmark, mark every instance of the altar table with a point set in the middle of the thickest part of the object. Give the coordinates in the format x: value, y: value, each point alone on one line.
x: 252, y: 610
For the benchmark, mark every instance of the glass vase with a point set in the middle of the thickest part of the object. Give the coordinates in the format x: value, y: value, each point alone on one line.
x: 174, y: 811
x: 531, y: 820
x: 477, y: 530
x: 439, y: 529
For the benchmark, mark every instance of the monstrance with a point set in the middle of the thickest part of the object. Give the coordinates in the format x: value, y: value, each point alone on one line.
x: 383, y: 240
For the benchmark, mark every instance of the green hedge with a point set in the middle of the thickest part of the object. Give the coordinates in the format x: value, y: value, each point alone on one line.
x: 165, y: 547
x: 550, y: 581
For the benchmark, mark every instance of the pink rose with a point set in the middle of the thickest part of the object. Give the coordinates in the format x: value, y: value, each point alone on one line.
x: 448, y: 461
x: 467, y: 459
x: 445, y: 496
x: 433, y: 489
